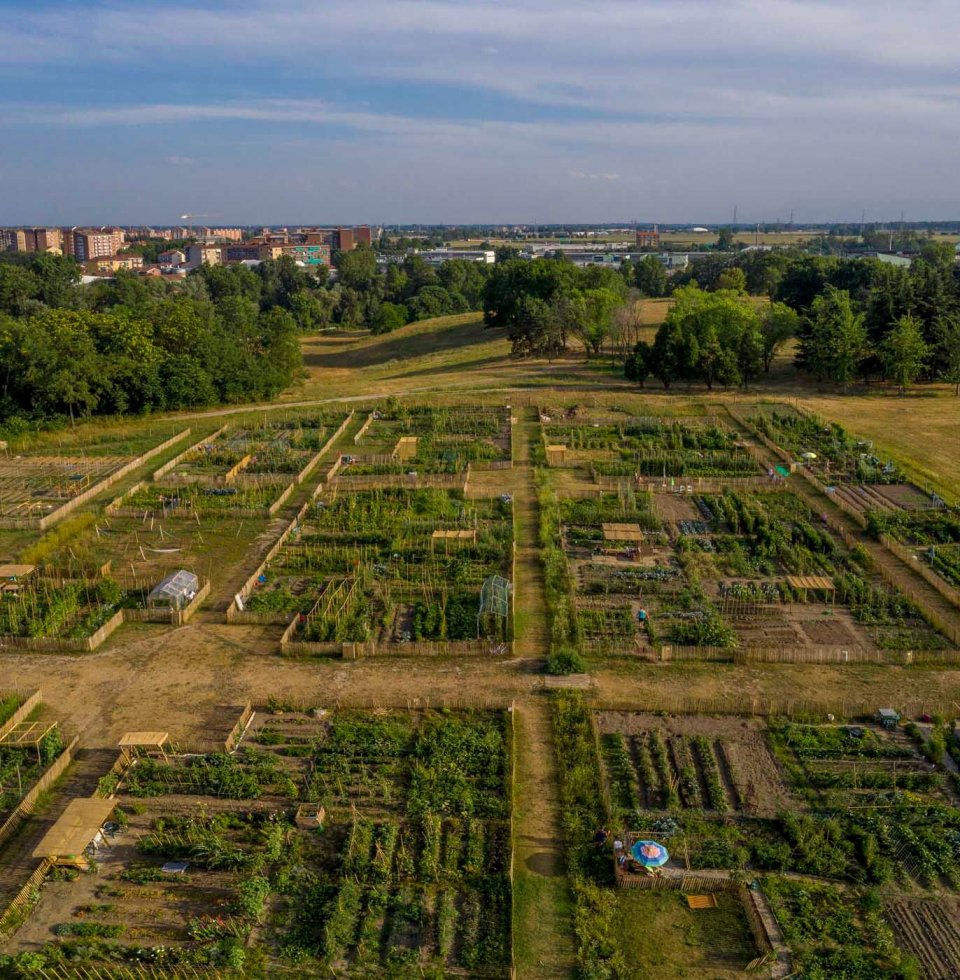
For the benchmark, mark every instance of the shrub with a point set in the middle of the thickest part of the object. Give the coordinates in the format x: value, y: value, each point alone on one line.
x: 564, y: 662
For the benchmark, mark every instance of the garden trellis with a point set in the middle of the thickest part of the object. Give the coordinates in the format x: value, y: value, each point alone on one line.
x: 495, y: 601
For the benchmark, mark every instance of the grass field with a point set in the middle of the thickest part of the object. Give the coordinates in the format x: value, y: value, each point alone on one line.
x: 921, y: 430
x: 664, y: 939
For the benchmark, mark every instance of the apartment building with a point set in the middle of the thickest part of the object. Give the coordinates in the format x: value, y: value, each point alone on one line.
x: 256, y: 250
x: 648, y: 239
x: 339, y: 239
x: 92, y: 243
x: 31, y: 240
x: 226, y: 234
x: 172, y: 258
x: 204, y: 253
x: 106, y: 265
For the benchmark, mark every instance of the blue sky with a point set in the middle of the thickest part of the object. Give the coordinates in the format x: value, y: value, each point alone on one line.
x: 478, y: 110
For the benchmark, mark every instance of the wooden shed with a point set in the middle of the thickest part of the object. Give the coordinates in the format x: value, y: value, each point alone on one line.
x: 556, y: 455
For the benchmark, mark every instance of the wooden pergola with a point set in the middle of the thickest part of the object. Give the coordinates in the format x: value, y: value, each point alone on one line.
x: 135, y: 742
x: 812, y: 583
x: 75, y: 829
x: 11, y: 576
x: 14, y: 571
x: 27, y: 735
x: 456, y: 536
x: 623, y: 532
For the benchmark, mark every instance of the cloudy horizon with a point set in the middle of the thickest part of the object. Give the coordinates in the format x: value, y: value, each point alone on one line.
x: 478, y: 111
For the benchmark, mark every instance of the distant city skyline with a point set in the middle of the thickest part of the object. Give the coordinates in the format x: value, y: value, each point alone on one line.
x: 476, y: 111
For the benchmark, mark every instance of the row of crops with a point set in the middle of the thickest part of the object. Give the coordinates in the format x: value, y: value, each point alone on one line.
x: 21, y: 767
x: 774, y: 535
x: 937, y: 532
x: 758, y: 539
x: 193, y: 498
x: 652, y: 448
x: 444, y: 440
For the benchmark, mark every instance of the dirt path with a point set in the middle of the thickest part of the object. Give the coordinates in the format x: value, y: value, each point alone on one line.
x: 543, y: 905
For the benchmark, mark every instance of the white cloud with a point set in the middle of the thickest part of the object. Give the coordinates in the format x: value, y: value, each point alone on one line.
x: 580, y: 175
x: 761, y: 101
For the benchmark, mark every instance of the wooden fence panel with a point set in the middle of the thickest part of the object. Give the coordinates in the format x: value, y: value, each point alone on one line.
x: 175, y: 462
x: 105, y: 484
x: 22, y: 713
x: 25, y: 895
x: 363, y: 429
x: 315, y: 459
x: 26, y: 805
x: 230, y: 743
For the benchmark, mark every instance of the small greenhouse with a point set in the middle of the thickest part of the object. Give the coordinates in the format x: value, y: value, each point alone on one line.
x: 175, y: 591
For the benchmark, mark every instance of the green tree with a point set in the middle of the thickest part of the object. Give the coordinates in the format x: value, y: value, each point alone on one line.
x: 732, y: 279
x: 638, y: 363
x: 940, y: 255
x: 671, y: 353
x: 59, y: 279
x: 17, y: 286
x: 357, y: 269
x: 904, y: 352
x: 947, y: 334
x: 595, y: 322
x: 388, y: 317
x: 312, y: 310
x: 778, y: 324
x: 537, y: 331
x: 725, y: 239
x: 651, y: 277
x: 834, y: 338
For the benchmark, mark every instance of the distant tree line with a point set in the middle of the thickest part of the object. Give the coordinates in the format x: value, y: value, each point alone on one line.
x: 855, y: 319
x: 367, y: 295
x: 136, y: 345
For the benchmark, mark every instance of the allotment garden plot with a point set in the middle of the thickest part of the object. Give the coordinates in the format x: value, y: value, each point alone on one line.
x: 918, y: 525
x: 851, y: 802
x: 839, y: 809
x: 612, y: 445
x: 748, y: 569
x: 243, y: 471
x: 354, y: 844
x: 27, y: 749
x: 394, y: 566
x: 51, y: 614
x: 397, y: 443
x: 36, y: 489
